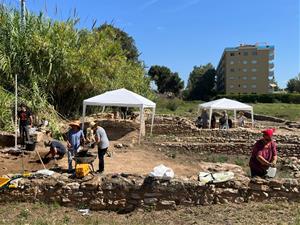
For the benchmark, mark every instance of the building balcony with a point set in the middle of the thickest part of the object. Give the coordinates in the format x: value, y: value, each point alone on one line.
x: 271, y: 65
x: 271, y: 57
x: 271, y: 73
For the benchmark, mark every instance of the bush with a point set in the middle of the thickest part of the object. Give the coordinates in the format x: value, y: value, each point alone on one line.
x: 173, y: 104
x: 264, y: 98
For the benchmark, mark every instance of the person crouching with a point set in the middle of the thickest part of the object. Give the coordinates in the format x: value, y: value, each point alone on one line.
x: 264, y: 154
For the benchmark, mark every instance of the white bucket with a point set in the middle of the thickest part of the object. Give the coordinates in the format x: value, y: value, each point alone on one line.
x: 271, y: 172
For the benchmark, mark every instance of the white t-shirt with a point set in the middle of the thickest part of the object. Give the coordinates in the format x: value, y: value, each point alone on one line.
x: 101, y: 134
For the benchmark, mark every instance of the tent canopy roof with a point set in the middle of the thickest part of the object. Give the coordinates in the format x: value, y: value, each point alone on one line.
x: 225, y: 103
x: 120, y: 97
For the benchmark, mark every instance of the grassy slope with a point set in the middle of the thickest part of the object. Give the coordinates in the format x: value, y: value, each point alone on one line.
x: 190, y: 108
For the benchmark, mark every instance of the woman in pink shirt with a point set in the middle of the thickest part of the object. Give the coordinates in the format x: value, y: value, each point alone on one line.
x: 264, y: 154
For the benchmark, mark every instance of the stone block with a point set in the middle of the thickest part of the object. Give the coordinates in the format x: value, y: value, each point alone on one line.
x: 135, y: 196
x: 150, y: 201
x: 152, y: 195
x: 73, y: 186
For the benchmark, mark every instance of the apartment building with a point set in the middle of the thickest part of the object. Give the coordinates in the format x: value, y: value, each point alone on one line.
x: 247, y: 69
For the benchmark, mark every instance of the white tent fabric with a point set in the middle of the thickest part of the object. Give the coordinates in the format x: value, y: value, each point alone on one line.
x: 122, y: 98
x: 226, y: 104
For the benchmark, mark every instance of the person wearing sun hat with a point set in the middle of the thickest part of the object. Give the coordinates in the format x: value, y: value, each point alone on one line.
x: 74, y: 137
x: 264, y: 154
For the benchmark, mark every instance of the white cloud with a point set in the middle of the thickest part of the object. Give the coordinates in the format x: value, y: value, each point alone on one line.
x: 183, y: 6
x: 148, y: 4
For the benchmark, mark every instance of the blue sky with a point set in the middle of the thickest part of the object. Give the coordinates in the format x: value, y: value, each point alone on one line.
x: 183, y: 33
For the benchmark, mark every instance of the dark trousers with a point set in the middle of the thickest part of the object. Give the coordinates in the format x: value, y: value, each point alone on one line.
x: 101, y: 153
x: 24, y: 133
x: 255, y: 173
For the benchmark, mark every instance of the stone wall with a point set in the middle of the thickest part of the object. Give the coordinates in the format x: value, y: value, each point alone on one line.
x: 124, y: 192
x: 180, y: 134
x: 284, y: 150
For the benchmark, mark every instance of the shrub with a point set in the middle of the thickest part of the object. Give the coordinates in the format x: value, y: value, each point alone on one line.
x: 173, y: 104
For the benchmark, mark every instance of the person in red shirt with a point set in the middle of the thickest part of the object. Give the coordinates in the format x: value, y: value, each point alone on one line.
x: 264, y: 154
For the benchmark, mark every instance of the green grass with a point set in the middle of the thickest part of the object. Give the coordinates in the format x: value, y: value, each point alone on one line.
x: 190, y: 109
x: 185, y: 108
x: 281, y: 110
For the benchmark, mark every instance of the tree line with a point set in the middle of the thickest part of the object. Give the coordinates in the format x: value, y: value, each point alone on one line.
x: 200, y: 85
x: 64, y: 64
x: 201, y: 82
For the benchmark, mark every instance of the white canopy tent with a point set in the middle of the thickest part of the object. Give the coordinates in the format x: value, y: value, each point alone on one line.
x: 122, y: 98
x: 226, y: 104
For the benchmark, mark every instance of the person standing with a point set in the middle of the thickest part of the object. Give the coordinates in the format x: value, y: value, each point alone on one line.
x: 204, y: 119
x: 74, y: 137
x: 241, y: 119
x: 25, y: 122
x: 102, y: 142
x: 264, y: 154
x: 223, y: 121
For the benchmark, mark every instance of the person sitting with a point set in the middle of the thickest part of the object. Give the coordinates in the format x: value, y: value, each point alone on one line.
x: 56, y: 149
x: 264, y: 154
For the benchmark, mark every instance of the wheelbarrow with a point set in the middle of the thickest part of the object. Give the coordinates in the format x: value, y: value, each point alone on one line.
x: 84, y: 157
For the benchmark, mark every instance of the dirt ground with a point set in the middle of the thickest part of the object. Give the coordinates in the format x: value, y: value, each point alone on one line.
x: 137, y: 159
x: 264, y: 213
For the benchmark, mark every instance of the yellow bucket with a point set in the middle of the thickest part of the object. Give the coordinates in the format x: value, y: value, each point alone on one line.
x: 3, y: 181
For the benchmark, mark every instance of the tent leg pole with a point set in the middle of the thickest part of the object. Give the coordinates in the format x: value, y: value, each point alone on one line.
x: 210, y: 116
x: 141, y: 123
x: 252, y: 118
x: 152, y: 120
x: 235, y: 122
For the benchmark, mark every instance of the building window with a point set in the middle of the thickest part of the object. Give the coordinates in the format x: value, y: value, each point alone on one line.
x: 231, y: 62
x: 254, y: 53
x: 254, y: 78
x: 231, y: 54
x: 245, y: 78
x: 245, y: 70
x: 253, y: 86
x: 231, y: 70
x: 253, y: 69
x: 254, y: 61
x: 231, y: 78
x: 231, y: 86
x: 245, y: 53
x: 245, y: 62
x: 244, y: 86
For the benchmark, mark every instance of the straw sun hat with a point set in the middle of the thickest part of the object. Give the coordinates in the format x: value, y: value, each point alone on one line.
x: 75, y: 123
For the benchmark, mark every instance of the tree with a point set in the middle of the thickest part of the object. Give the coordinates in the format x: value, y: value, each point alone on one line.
x: 201, y: 83
x: 127, y: 42
x: 293, y: 84
x: 66, y: 64
x: 166, y: 80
